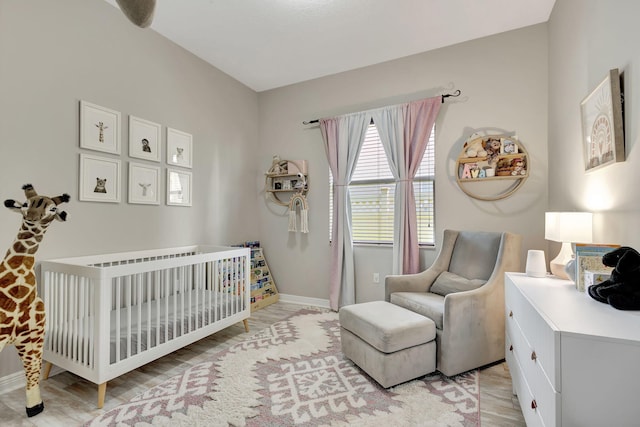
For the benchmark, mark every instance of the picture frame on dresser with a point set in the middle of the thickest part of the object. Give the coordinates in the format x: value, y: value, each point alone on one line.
x: 589, y: 258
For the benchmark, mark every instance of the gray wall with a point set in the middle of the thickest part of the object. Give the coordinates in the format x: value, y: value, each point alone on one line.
x: 503, y: 79
x: 53, y: 54
x: 587, y: 39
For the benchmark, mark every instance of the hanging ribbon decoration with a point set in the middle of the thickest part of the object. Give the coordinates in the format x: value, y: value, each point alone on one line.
x: 299, y: 200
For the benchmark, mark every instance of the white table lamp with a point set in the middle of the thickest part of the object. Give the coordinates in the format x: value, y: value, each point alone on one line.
x: 567, y: 228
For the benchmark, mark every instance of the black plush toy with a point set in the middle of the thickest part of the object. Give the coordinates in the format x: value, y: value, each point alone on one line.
x: 622, y: 290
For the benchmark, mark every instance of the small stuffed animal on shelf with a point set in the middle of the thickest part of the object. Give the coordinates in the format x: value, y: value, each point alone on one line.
x: 622, y: 290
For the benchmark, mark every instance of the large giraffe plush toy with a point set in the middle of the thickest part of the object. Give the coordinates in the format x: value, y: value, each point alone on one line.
x: 22, y: 315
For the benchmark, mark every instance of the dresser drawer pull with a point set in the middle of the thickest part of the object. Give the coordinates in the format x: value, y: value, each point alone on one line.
x: 511, y: 347
x: 510, y: 313
x: 534, y: 404
x: 534, y: 356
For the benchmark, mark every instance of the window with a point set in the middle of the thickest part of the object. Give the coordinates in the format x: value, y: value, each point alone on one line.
x: 372, y: 194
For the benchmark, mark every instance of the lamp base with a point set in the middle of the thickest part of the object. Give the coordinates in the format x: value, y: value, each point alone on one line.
x: 558, y: 264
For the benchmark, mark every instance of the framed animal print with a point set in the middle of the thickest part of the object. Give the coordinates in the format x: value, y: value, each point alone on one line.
x: 144, y: 184
x: 99, y: 179
x: 99, y: 128
x: 144, y: 139
x: 179, y: 190
x: 179, y: 148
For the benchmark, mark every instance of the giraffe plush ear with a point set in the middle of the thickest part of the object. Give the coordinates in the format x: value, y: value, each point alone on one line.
x: 61, y: 199
x: 61, y: 216
x: 13, y: 205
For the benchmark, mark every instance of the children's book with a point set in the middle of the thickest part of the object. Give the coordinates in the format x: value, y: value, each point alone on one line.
x: 589, y: 258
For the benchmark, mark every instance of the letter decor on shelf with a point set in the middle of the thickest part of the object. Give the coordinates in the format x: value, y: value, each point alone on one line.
x: 498, y: 159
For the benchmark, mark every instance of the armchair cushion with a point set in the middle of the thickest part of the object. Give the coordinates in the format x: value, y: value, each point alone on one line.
x: 475, y: 253
x: 447, y: 283
x: 425, y: 303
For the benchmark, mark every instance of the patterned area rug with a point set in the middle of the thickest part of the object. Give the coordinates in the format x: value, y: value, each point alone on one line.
x: 295, y: 374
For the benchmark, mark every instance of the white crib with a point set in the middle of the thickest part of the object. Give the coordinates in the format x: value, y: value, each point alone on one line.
x: 110, y: 314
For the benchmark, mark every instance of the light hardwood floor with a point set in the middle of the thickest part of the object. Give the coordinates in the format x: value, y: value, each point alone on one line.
x: 71, y: 401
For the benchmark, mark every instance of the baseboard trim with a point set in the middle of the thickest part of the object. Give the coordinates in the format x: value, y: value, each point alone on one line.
x: 294, y: 299
x: 17, y: 380
x: 12, y: 381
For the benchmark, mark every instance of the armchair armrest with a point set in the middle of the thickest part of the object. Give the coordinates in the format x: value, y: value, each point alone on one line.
x: 420, y: 282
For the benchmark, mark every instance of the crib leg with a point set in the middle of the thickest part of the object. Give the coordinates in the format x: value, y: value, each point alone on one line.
x: 246, y: 325
x: 47, y: 370
x: 102, y: 390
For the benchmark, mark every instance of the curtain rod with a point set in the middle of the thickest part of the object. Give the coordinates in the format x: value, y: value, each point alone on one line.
x: 446, y: 95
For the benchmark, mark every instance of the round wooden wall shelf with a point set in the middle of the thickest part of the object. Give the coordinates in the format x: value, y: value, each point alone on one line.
x: 282, y: 181
x: 492, y: 167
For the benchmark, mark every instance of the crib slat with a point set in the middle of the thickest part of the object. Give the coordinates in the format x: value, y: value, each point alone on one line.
x: 118, y: 304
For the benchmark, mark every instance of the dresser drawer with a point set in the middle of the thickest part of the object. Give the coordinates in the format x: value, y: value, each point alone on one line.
x: 539, y: 387
x: 539, y: 336
x: 528, y: 403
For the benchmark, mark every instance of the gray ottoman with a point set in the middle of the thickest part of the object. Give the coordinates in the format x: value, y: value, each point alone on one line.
x: 388, y: 342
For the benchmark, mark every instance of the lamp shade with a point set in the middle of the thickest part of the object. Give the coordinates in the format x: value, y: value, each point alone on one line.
x: 575, y: 227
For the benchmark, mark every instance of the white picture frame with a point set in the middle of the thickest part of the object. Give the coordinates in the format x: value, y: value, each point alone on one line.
x: 179, y: 187
x: 144, y: 139
x: 179, y: 148
x: 603, y: 124
x: 99, y: 179
x: 100, y: 128
x: 144, y: 184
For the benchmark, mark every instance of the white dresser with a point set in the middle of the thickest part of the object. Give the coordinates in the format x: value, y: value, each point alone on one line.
x: 574, y: 362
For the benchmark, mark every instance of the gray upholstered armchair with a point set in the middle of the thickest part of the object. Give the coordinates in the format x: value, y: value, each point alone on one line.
x: 463, y: 293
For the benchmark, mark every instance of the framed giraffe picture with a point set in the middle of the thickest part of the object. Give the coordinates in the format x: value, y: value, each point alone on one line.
x: 99, y: 179
x: 99, y: 128
x: 179, y: 148
x: 144, y: 184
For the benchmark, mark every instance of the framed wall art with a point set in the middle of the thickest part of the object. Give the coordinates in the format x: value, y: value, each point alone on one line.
x: 179, y: 188
x: 602, y: 124
x: 179, y: 148
x: 99, y: 128
x: 99, y: 179
x: 144, y: 139
x: 144, y: 184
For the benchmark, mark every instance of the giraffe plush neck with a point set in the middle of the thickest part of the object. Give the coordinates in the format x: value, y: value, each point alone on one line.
x: 22, y: 316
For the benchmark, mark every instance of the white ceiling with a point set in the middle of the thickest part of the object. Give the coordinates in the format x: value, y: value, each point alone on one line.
x: 267, y: 44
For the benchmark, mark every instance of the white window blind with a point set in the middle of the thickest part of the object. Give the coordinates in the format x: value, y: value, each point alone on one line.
x: 372, y: 194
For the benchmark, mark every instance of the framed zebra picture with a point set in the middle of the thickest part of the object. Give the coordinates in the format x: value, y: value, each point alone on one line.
x: 144, y: 182
x: 99, y: 179
x: 99, y: 128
